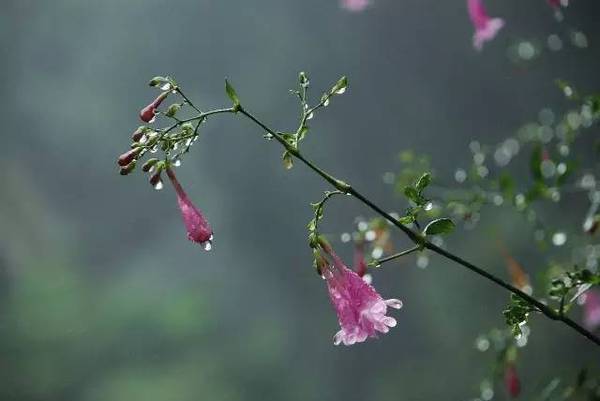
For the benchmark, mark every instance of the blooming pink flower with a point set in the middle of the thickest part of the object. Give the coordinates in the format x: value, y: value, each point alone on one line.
x: 511, y: 380
x: 591, y: 309
x: 361, y: 310
x: 355, y: 5
x: 198, y: 229
x: 486, y: 28
x: 148, y: 113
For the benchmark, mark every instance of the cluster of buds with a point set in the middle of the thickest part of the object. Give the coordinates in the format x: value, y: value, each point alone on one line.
x: 174, y: 141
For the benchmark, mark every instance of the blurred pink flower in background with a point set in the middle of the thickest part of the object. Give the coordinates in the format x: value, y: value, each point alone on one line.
x: 558, y: 3
x: 511, y: 381
x: 591, y: 309
x: 486, y: 28
x: 361, y: 310
x: 355, y: 5
x: 198, y: 229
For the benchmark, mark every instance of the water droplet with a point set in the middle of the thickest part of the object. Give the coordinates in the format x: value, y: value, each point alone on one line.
x: 548, y: 168
x: 554, y: 42
x: 370, y: 235
x: 362, y: 225
x: 579, y: 39
x: 152, y: 119
x: 158, y: 185
x: 326, y: 102
x: 422, y: 261
x: 143, y: 139
x: 188, y: 142
x: 498, y: 200
x: 206, y: 245
x: 154, y: 149
x: 340, y: 91
x: 526, y: 50
x: 166, y: 86
x: 588, y: 181
x: 377, y: 252
x: 310, y: 116
x: 177, y: 162
x: 482, y: 343
x: 428, y: 206
x: 460, y: 175
x: 175, y: 145
x: 345, y: 237
x: 559, y: 238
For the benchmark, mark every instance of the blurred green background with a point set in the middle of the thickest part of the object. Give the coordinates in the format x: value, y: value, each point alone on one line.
x: 103, y: 298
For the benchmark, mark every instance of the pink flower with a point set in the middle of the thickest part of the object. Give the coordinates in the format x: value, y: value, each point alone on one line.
x: 511, y: 381
x: 486, y: 28
x: 148, y: 113
x: 361, y: 310
x: 556, y: 4
x: 591, y: 310
x: 355, y: 5
x: 197, y: 227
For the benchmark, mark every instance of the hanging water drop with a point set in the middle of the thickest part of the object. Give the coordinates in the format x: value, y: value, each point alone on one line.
x: 166, y: 86
x: 340, y: 91
x: 310, y: 116
x: 158, y: 185
x: 326, y: 102
x: 177, y: 162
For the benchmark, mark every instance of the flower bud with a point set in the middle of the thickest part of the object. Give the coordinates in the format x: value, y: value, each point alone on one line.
x: 127, y: 157
x: 138, y: 133
x: 149, y: 164
x: 147, y: 113
x: 156, y: 181
x: 128, y: 168
x: 172, y: 110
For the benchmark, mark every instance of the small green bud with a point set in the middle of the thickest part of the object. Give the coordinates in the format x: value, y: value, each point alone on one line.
x: 149, y: 164
x: 303, y: 79
x: 340, y: 86
x: 172, y: 110
x: 187, y: 128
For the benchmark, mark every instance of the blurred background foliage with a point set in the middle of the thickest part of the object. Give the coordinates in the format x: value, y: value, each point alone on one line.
x: 103, y: 298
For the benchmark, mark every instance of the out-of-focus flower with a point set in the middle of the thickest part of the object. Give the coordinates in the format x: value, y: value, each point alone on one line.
x: 148, y: 113
x: 361, y: 310
x: 511, y: 380
x: 360, y: 264
x: 355, y: 5
x: 591, y: 309
x: 198, y: 229
x: 486, y: 28
x: 518, y: 277
x: 556, y: 4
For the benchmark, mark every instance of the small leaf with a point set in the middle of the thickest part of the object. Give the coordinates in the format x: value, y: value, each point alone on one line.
x: 340, y: 86
x: 423, y: 182
x: 439, y: 226
x: 232, y: 94
x: 412, y: 194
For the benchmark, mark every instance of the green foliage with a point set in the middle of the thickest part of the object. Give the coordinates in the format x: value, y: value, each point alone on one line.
x: 439, y: 226
x: 231, y: 93
x: 516, y: 313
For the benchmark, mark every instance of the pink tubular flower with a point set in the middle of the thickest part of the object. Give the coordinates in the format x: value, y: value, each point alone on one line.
x: 198, y: 229
x: 355, y: 5
x: 511, y: 381
x: 556, y: 4
x: 591, y: 310
x: 361, y: 310
x: 486, y: 28
x: 147, y: 113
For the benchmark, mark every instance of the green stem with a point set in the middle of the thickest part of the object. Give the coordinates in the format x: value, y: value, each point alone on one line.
x: 417, y: 238
x: 379, y: 262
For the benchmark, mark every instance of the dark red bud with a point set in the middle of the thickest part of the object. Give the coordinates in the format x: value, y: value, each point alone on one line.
x: 155, y: 180
x: 511, y: 381
x: 147, y: 113
x: 128, y: 157
x: 128, y: 168
x: 138, y: 134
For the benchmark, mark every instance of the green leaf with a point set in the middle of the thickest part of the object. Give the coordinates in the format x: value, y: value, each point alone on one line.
x: 340, y: 86
x: 439, y: 226
x: 423, y: 182
x: 412, y: 194
x: 535, y: 163
x: 232, y: 95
